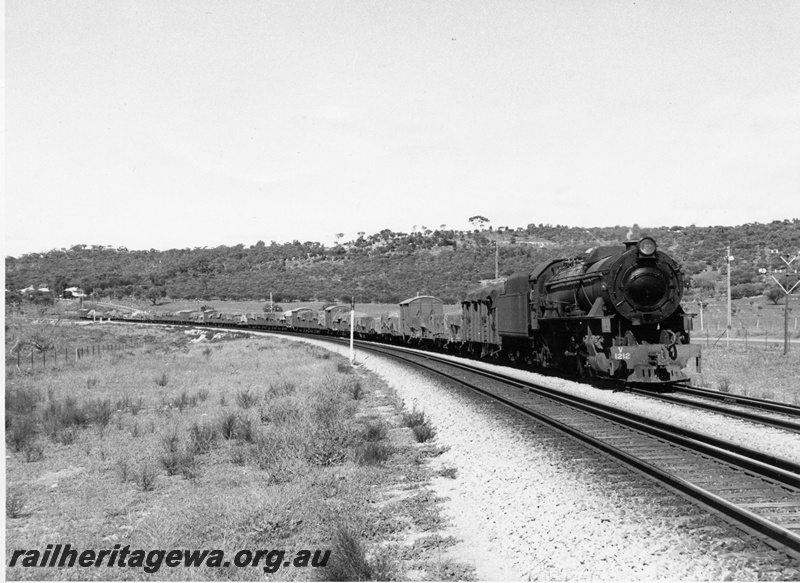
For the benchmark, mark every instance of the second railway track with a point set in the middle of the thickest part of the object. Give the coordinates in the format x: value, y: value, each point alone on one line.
x: 758, y: 492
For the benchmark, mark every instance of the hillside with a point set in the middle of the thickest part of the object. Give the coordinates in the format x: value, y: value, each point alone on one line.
x: 388, y: 266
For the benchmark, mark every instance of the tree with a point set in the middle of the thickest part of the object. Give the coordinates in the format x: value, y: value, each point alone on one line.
x: 774, y: 294
x: 155, y: 293
x: 478, y: 221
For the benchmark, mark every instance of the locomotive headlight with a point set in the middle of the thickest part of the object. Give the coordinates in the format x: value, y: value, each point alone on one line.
x: 647, y: 246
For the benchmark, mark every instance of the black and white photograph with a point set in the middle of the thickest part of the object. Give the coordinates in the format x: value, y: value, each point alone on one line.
x: 402, y: 290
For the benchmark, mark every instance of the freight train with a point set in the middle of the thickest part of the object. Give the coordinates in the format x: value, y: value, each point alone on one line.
x: 615, y: 313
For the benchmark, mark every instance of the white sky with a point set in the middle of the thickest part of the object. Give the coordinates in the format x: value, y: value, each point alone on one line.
x: 183, y: 123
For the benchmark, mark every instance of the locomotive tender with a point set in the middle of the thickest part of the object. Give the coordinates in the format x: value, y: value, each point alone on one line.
x: 615, y: 314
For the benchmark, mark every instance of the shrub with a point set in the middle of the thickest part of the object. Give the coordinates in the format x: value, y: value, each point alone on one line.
x: 327, y: 411
x: 355, y: 389
x: 202, y: 394
x: 15, y: 503
x: 101, y: 412
x: 281, y: 388
x: 161, y: 381
x: 124, y: 470
x: 227, y: 425
x: 414, y: 417
x: 373, y: 453
x: 448, y: 472
x: 123, y: 404
x: 284, y: 412
x: 246, y: 399
x: 423, y: 433
x: 22, y: 400
x: 203, y: 437
x: 326, y: 449
x: 71, y: 413
x: 348, y: 560
x: 171, y: 442
x: 245, y: 431
x: 146, y: 477
x: 724, y: 385
x: 419, y: 425
x: 67, y: 436
x: 278, y: 454
x: 22, y: 432
x: 183, y: 401
x: 178, y: 462
x: 34, y: 451
x: 344, y: 367
x: 375, y: 431
x: 238, y: 455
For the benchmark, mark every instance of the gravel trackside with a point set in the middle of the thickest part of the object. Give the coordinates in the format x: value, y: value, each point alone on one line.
x: 527, y: 505
x: 782, y: 444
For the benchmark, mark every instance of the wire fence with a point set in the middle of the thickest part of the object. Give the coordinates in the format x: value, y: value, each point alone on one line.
x: 42, y: 358
x: 765, y: 339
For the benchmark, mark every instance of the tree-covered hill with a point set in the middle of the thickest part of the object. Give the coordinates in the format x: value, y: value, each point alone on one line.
x: 388, y: 266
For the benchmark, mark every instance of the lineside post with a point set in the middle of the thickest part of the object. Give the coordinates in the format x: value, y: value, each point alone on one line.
x: 352, y: 328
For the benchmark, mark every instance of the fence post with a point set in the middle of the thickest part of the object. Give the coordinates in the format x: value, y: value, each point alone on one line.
x: 31, y: 358
x: 44, y: 358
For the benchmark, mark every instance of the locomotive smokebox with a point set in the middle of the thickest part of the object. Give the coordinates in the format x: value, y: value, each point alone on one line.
x: 639, y: 282
x: 646, y: 287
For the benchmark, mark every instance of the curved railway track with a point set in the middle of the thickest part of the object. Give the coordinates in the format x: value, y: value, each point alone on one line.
x: 755, y: 491
x: 779, y: 415
x: 758, y: 492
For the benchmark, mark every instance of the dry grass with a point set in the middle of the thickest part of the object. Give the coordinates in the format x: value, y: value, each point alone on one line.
x: 754, y: 372
x: 754, y: 315
x: 260, y: 445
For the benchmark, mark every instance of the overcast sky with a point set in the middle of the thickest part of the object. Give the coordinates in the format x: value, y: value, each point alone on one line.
x: 184, y: 123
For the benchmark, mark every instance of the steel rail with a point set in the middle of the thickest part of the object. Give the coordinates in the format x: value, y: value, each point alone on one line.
x: 774, y: 406
x: 773, y: 533
x: 785, y: 424
x: 776, y: 468
x: 788, y: 540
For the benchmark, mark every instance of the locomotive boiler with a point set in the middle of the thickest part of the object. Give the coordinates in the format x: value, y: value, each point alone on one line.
x: 616, y: 313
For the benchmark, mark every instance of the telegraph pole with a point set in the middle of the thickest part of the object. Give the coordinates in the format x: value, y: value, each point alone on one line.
x: 352, y: 327
x: 496, y: 259
x: 786, y: 291
x: 728, y: 259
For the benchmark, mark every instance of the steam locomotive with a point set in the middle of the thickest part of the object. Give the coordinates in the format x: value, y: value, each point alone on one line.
x: 615, y: 313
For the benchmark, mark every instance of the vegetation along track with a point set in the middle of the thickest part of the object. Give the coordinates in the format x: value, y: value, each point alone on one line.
x: 758, y: 492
